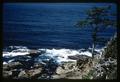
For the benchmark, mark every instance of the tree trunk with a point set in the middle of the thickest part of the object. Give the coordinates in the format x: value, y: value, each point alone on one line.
x: 94, y: 36
x: 93, y: 49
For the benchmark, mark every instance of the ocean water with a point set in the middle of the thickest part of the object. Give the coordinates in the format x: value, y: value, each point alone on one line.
x: 49, y: 25
x: 48, y: 28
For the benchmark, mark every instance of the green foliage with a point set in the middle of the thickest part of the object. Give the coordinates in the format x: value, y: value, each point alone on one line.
x: 97, y: 17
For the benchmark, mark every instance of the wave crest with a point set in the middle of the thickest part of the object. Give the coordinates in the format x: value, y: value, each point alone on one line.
x: 60, y: 55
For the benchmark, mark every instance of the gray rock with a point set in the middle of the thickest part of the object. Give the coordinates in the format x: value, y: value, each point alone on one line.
x: 69, y: 65
x: 6, y: 67
x: 22, y: 75
x: 66, y: 67
x: 106, y: 69
x: 60, y: 70
x: 7, y: 74
x: 12, y: 65
x: 34, y: 72
x: 58, y: 76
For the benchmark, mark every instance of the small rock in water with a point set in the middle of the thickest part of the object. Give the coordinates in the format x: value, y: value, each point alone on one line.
x: 33, y: 52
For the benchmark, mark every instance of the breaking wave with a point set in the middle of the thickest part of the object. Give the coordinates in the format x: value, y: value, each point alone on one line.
x: 12, y: 53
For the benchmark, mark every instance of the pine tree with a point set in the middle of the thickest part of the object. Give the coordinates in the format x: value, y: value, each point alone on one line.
x: 98, y: 18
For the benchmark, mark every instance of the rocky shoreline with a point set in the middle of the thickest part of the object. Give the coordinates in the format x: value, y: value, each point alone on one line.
x: 101, y: 67
x: 18, y: 70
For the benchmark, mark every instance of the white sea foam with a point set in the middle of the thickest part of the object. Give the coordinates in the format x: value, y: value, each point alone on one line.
x: 16, y: 52
x: 60, y: 55
x: 4, y: 62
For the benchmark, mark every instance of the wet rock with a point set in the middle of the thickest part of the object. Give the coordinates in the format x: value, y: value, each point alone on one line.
x: 33, y: 53
x: 15, y: 72
x: 83, y: 60
x: 78, y: 57
x: 38, y: 65
x: 26, y: 61
x: 12, y: 65
x: 50, y: 66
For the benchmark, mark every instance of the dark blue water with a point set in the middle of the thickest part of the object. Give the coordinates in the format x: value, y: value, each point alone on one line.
x: 48, y: 25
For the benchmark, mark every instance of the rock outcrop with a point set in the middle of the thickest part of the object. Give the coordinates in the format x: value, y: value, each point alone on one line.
x: 84, y: 67
x: 106, y: 66
x: 66, y: 67
x: 16, y: 70
x: 111, y: 49
x: 107, y: 69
